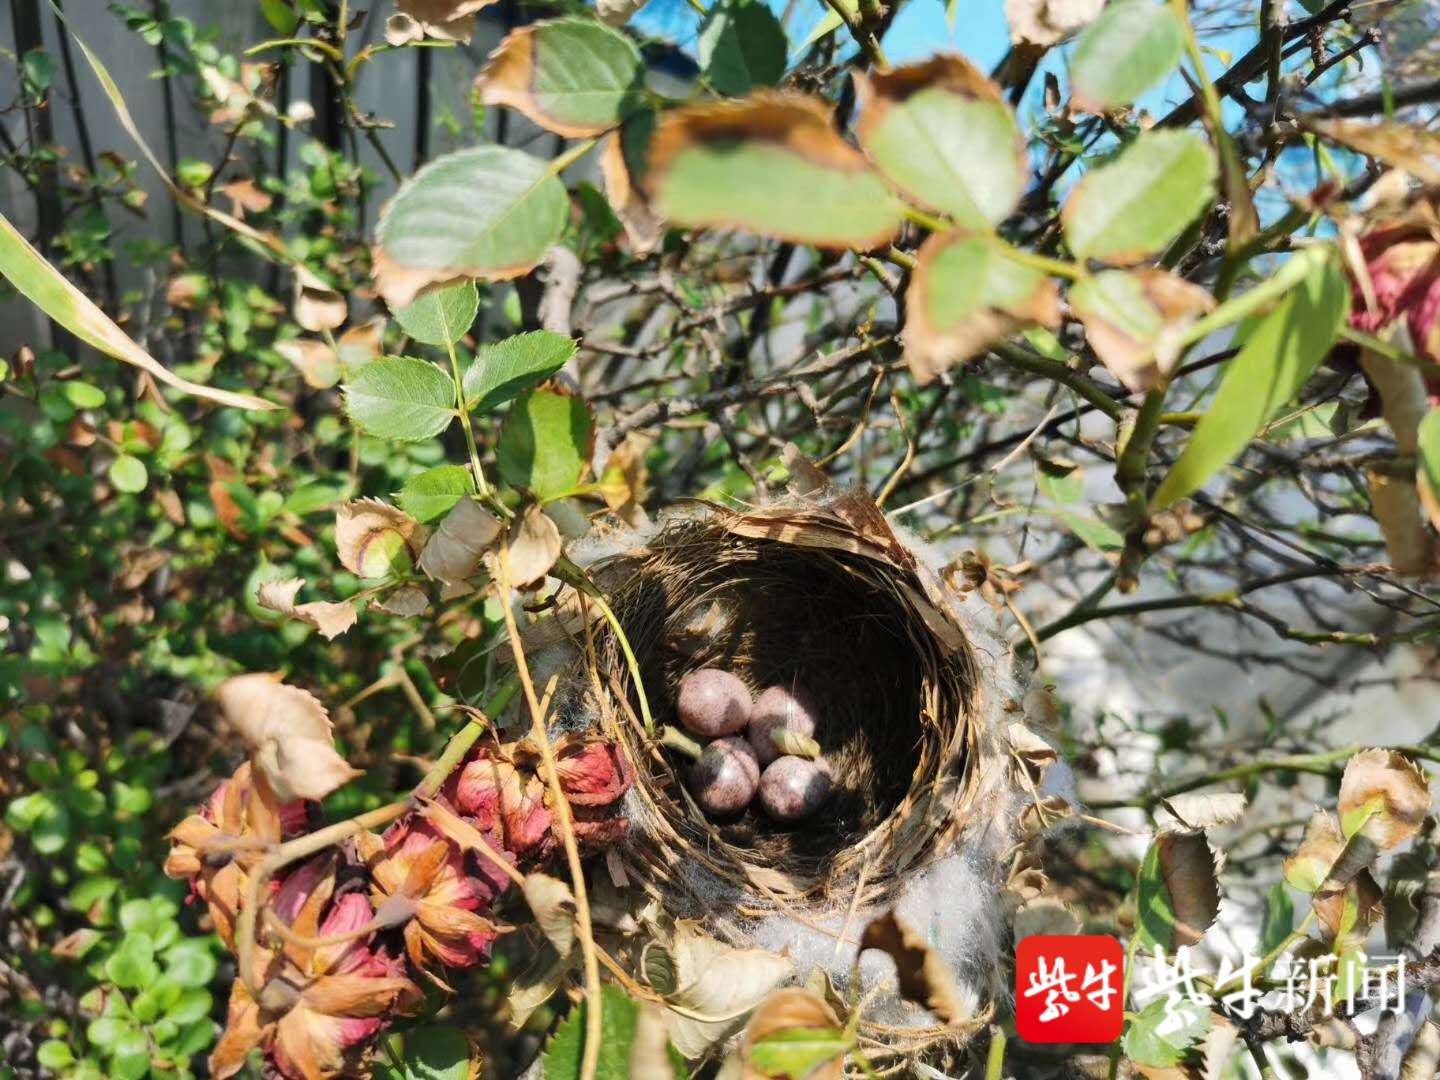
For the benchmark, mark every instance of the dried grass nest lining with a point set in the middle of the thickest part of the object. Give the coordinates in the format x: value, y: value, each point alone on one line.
x: 822, y: 595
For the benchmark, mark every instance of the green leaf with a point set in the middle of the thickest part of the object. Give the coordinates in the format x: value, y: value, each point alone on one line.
x: 435, y: 492
x: 192, y: 1004
x: 132, y: 965
x: 619, y: 1017
x: 84, y: 395
x: 742, y: 46
x: 506, y: 369
x: 54, y: 1055
x: 400, y: 397
x: 573, y: 76
x: 1177, y: 895
x: 1278, y: 358
x: 1128, y: 49
x: 545, y: 443
x: 944, y: 135
x: 437, y: 1052
x: 105, y: 1031
x: 190, y: 963
x: 1279, y: 918
x: 486, y: 212
x: 1135, y: 205
x: 128, y: 474
x: 797, y: 1051
x: 440, y: 315
x: 280, y: 15
x: 54, y: 294
x: 816, y: 190
x: 1092, y: 532
x: 1145, y: 1045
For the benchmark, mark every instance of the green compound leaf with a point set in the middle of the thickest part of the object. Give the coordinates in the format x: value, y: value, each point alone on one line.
x: 1279, y: 356
x: 545, y: 443
x: 441, y: 315
x: 1128, y: 49
x: 402, y: 398
x: 573, y: 76
x: 742, y: 47
x: 816, y: 189
x: 487, y: 212
x: 942, y: 133
x: 506, y: 369
x: 1133, y: 206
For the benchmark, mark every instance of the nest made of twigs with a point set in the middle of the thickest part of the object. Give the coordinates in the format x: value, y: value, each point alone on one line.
x: 818, y: 592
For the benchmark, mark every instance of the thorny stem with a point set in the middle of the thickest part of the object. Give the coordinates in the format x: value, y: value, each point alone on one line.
x: 593, y: 1022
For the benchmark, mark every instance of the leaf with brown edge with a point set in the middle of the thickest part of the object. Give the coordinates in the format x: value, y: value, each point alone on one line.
x: 331, y: 619
x: 1177, y: 890
x: 532, y: 547
x: 794, y: 1034
x: 454, y: 550
x: 1384, y: 797
x: 1307, y: 869
x: 288, y: 733
x: 553, y: 905
x: 818, y: 189
x: 716, y: 986
x: 445, y: 20
x: 925, y: 977
x: 965, y: 294
x: 624, y: 163
x: 1349, y: 911
x: 1204, y: 811
x: 942, y: 133
x: 572, y: 76
x: 374, y: 539
x: 1134, y: 320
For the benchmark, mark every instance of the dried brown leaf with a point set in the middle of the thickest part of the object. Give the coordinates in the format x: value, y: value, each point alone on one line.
x: 1139, y: 347
x: 331, y: 619
x: 1205, y: 811
x: 317, y: 307
x: 925, y: 977
x: 533, y: 545
x: 792, y: 1009
x: 372, y: 538
x: 553, y: 905
x: 454, y: 551
x: 1384, y: 796
x: 643, y: 227
x: 1412, y: 149
x: 288, y: 733
x: 1188, y: 868
x: 1048, y: 22
x: 315, y: 360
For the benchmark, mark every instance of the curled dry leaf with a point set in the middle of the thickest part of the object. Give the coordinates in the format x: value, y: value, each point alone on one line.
x: 247, y: 197
x: 623, y: 164
x: 1134, y: 321
x: 716, y: 986
x: 532, y: 546
x: 821, y: 190
x: 965, y: 294
x: 925, y: 977
x: 553, y: 905
x: 373, y: 538
x: 1202, y: 811
x: 1307, y: 869
x: 617, y: 12
x: 445, y: 20
x: 798, y: 1029
x: 401, y: 29
x: 1408, y: 147
x: 1048, y: 22
x: 289, y: 735
x: 317, y: 307
x: 1034, y: 752
x: 315, y: 361
x: 453, y: 552
x: 1384, y: 797
x: 331, y: 619
x: 406, y: 601
x: 1397, y: 508
x: 1189, y: 875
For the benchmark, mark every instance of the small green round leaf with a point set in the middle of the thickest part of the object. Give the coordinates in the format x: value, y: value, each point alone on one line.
x: 128, y: 474
x: 84, y: 395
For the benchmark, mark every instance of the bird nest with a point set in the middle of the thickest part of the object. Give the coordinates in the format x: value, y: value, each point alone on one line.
x: 815, y: 591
